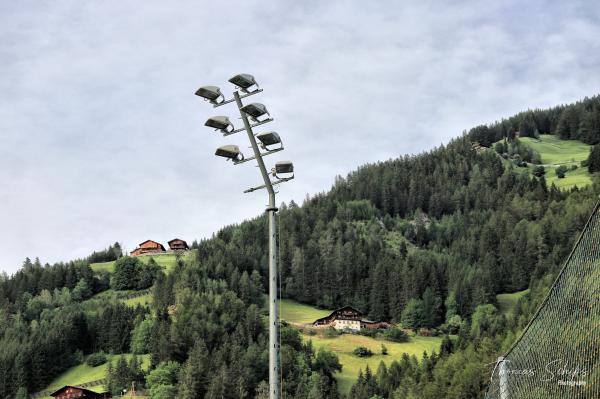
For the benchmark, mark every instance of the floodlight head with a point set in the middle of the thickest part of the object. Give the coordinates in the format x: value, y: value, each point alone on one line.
x: 221, y: 123
x: 255, y: 110
x: 230, y: 152
x: 268, y: 138
x: 211, y: 93
x: 244, y: 81
x: 284, y: 168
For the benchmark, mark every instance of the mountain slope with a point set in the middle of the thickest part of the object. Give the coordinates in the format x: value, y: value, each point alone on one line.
x: 427, y: 241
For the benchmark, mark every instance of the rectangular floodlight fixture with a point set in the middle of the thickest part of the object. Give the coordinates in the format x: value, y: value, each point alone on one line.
x: 219, y: 122
x: 243, y: 80
x: 269, y: 138
x: 284, y: 167
x: 229, y: 152
x: 210, y: 93
x: 255, y: 109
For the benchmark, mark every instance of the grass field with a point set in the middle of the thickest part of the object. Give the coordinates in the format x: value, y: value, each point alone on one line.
x: 556, y: 152
x: 298, y: 313
x: 83, y: 373
x: 130, y: 298
x: 143, y: 300
x: 345, y: 344
x: 553, y: 150
x: 579, y: 177
x: 507, y: 302
x: 168, y: 261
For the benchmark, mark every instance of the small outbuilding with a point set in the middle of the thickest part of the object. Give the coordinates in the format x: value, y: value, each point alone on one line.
x: 75, y: 392
x: 148, y: 247
x: 178, y: 244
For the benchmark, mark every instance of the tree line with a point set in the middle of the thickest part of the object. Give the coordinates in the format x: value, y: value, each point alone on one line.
x: 579, y: 121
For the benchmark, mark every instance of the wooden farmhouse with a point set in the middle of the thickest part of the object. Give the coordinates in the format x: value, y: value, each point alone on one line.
x: 74, y: 392
x: 348, y: 318
x: 148, y: 247
x: 177, y: 244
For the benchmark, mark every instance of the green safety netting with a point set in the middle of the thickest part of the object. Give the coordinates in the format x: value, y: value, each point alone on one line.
x: 558, y: 354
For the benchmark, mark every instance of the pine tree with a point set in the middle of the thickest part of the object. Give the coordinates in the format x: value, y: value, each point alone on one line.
x: 194, y: 374
x: 412, y: 315
x: 432, y: 308
x: 594, y: 159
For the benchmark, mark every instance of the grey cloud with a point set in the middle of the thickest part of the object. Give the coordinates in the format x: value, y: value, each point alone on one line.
x: 102, y: 138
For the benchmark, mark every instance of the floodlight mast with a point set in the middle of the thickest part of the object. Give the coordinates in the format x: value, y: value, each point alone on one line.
x: 274, y: 360
x: 243, y: 82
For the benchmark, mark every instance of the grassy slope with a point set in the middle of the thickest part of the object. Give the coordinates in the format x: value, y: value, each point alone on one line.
x: 143, y: 300
x: 345, y: 344
x: 555, y: 152
x: 297, y: 313
x: 83, y: 373
x: 507, y: 302
x: 168, y: 261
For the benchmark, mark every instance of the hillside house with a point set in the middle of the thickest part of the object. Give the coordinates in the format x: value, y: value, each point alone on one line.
x: 148, y: 247
x: 348, y: 318
x: 74, y: 392
x: 177, y: 244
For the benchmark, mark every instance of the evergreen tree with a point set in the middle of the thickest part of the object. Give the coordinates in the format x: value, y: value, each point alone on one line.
x: 594, y: 159
x: 127, y: 273
x: 194, y: 374
x: 412, y: 315
x: 432, y: 308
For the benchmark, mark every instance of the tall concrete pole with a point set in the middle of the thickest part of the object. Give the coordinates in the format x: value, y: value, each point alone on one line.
x: 274, y: 374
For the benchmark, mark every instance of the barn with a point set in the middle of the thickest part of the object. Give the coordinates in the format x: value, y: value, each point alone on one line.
x: 348, y: 318
x: 178, y: 244
x: 74, y: 392
x: 148, y: 247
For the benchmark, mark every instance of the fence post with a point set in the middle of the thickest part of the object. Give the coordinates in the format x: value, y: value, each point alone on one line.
x: 503, y: 373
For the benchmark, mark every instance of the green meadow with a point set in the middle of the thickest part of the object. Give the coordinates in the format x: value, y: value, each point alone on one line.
x: 299, y: 314
x: 345, y: 344
x: 507, y: 302
x: 83, y: 373
x: 167, y: 261
x: 555, y: 152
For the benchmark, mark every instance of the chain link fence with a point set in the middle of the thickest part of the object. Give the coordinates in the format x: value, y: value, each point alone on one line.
x: 558, y: 354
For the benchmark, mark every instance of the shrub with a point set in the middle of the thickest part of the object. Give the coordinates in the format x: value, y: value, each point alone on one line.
x: 396, y: 335
x: 96, y: 359
x: 362, y: 351
x: 539, y: 171
x: 561, y: 171
x: 384, y: 350
x: 331, y: 332
x: 573, y: 167
x: 367, y: 332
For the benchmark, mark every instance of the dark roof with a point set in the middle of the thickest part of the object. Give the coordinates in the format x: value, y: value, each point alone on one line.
x: 156, y: 242
x: 55, y: 393
x: 143, y: 242
x: 339, y: 310
x: 176, y: 239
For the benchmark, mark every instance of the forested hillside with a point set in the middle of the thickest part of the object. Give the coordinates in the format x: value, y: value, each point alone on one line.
x: 580, y: 121
x: 427, y: 241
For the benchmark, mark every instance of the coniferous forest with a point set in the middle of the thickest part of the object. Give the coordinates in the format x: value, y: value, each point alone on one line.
x: 425, y: 240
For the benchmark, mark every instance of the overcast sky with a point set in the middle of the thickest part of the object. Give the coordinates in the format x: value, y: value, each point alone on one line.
x: 102, y: 139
